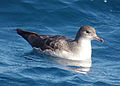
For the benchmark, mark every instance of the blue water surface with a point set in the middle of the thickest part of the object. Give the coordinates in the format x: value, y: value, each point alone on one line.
x: 21, y: 66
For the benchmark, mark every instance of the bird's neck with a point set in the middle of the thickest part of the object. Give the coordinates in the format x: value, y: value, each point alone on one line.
x: 84, y: 43
x: 83, y: 49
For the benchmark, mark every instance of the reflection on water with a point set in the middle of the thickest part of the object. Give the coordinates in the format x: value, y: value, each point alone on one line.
x: 72, y: 65
x: 83, y: 70
x: 77, y: 66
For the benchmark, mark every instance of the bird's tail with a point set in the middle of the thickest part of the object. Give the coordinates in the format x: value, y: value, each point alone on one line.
x: 32, y: 38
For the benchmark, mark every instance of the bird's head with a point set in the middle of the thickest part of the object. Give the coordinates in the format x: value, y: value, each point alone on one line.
x: 88, y: 32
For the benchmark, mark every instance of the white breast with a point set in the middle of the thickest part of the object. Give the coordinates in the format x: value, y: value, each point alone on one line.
x: 80, y: 52
x: 84, y: 50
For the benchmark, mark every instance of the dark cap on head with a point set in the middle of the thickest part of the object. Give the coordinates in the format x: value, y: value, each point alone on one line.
x: 87, y: 27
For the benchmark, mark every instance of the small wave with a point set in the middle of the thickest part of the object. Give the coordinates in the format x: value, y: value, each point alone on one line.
x: 102, y: 83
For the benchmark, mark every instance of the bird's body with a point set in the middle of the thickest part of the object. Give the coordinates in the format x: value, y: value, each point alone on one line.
x: 61, y: 46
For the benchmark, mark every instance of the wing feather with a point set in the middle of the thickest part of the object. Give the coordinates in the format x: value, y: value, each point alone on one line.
x: 42, y: 41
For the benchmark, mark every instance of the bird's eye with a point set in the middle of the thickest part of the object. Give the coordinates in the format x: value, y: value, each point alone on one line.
x: 87, y: 32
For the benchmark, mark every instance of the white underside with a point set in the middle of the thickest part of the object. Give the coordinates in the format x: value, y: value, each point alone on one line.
x: 80, y: 53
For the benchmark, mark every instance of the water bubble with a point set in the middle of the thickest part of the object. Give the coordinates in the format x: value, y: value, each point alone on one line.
x: 105, y: 1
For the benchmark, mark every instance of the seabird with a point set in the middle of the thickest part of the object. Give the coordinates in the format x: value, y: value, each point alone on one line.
x: 61, y: 46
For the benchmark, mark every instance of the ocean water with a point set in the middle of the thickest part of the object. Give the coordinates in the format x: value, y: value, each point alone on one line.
x: 21, y: 66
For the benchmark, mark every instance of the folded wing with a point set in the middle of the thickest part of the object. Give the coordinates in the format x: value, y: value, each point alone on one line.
x: 42, y: 41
